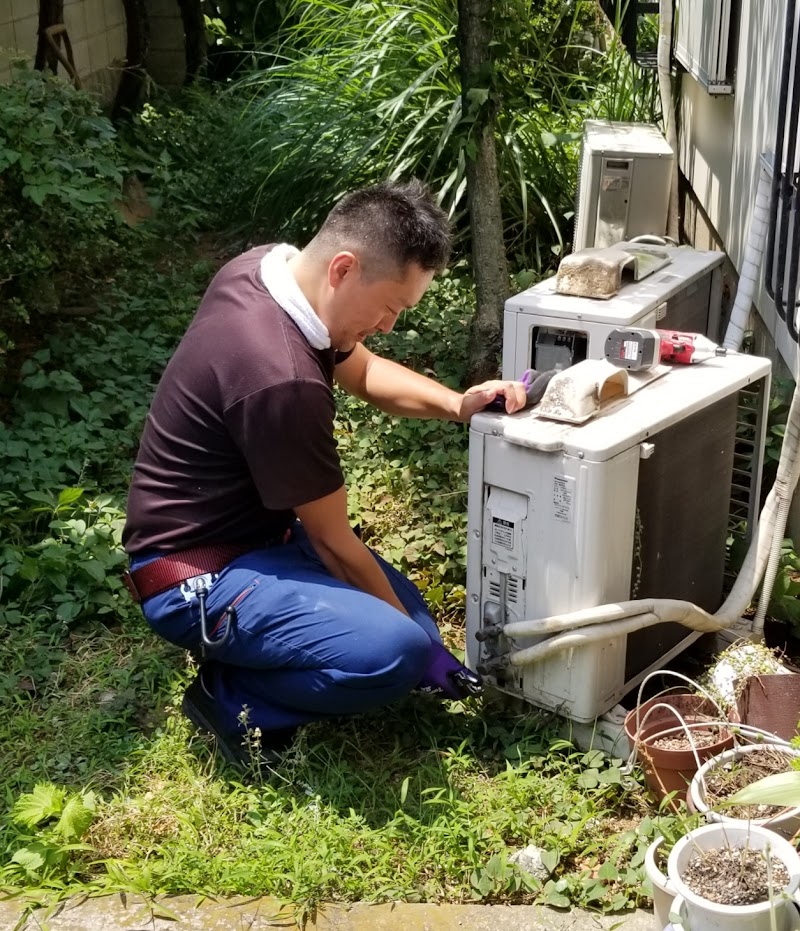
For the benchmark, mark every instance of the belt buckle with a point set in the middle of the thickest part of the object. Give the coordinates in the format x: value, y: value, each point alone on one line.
x: 127, y: 578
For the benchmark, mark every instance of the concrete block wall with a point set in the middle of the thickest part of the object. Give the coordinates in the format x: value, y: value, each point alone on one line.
x: 96, y: 29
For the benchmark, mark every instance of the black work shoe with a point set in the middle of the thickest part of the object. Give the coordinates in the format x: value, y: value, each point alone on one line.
x: 200, y: 708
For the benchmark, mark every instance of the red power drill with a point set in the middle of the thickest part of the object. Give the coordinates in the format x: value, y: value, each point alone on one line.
x: 636, y: 349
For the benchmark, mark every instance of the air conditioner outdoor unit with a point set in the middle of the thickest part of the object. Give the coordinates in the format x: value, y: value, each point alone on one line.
x: 632, y: 504
x: 544, y: 330
x: 624, y: 178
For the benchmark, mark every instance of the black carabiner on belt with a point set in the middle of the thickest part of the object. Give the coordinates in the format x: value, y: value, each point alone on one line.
x: 210, y: 643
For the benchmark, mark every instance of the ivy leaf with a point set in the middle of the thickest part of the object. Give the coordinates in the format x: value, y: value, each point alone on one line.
x: 34, y: 193
x: 549, y: 859
x: 477, y: 96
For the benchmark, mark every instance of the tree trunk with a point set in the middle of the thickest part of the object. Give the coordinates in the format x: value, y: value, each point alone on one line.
x: 195, y: 33
x: 483, y: 190
x: 129, y: 92
x: 51, y: 12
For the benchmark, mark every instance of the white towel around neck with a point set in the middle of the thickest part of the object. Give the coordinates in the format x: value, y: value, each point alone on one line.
x: 281, y: 284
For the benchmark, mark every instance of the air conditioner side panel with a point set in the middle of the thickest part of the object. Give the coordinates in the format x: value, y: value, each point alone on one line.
x: 578, y: 538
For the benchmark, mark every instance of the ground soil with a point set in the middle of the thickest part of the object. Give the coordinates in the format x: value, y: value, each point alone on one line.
x: 735, y: 876
x: 722, y: 781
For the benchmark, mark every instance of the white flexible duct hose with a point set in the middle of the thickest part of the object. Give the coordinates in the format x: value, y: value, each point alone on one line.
x: 667, y: 107
x: 751, y: 263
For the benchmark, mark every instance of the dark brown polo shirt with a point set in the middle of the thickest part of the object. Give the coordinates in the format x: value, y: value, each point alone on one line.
x: 240, y: 430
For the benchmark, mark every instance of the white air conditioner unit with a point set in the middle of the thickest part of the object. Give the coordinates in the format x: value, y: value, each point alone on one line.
x: 545, y: 330
x: 703, y: 42
x: 624, y: 178
x: 632, y: 504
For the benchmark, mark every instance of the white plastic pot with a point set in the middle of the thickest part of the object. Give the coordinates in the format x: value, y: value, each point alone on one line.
x: 679, y: 922
x: 786, y: 823
x: 663, y: 892
x: 703, y: 915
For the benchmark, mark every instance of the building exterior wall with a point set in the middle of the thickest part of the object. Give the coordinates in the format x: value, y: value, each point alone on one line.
x: 722, y: 140
x: 96, y: 30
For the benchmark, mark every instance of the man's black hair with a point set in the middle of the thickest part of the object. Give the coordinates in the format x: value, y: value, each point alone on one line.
x: 391, y: 224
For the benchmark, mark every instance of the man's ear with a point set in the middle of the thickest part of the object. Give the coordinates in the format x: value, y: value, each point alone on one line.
x: 341, y: 266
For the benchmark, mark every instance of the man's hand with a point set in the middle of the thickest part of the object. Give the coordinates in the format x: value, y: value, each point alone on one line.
x: 476, y: 398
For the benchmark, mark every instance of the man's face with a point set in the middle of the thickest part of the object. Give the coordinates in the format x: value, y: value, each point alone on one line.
x: 360, y: 307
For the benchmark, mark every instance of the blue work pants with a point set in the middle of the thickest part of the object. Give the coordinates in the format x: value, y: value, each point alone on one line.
x: 304, y: 645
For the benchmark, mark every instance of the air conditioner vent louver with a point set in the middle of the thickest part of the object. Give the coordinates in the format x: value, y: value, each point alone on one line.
x: 512, y: 590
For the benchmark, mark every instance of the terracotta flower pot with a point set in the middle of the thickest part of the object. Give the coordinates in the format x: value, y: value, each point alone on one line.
x: 668, y: 770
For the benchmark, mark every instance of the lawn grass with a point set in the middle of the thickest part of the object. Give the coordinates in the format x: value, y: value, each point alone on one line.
x: 423, y: 801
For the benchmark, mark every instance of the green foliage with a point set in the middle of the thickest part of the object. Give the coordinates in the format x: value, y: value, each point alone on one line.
x: 235, y: 23
x: 784, y: 603
x: 431, y: 812
x: 420, y: 802
x: 777, y: 413
x: 55, y: 823
x: 777, y: 789
x: 364, y: 92
x: 182, y: 150
x: 624, y: 91
x: 60, y: 173
x: 407, y: 479
x: 72, y: 431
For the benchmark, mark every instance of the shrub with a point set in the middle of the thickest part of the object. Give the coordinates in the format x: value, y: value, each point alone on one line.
x: 60, y: 173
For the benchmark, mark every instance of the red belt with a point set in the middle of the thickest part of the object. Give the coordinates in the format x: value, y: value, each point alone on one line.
x: 170, y: 570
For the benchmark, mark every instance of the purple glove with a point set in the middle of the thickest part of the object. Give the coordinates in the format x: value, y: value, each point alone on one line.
x: 447, y: 677
x: 535, y: 384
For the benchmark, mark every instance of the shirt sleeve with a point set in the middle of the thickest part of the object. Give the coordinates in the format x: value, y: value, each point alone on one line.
x: 285, y: 433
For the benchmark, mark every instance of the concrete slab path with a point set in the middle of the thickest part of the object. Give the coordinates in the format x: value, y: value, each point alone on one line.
x: 115, y: 913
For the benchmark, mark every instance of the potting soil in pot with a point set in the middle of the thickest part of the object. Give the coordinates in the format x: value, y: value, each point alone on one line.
x: 700, y: 738
x: 723, y: 781
x: 735, y: 876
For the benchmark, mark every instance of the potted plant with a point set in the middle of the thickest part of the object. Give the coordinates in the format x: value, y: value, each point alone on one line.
x: 734, y: 878
x: 673, y: 734
x: 718, y: 780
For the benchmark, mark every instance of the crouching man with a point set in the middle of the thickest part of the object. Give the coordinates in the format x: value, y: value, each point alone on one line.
x: 237, y: 527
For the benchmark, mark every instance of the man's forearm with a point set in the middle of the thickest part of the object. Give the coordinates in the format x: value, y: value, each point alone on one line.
x: 354, y: 564
x: 398, y: 390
